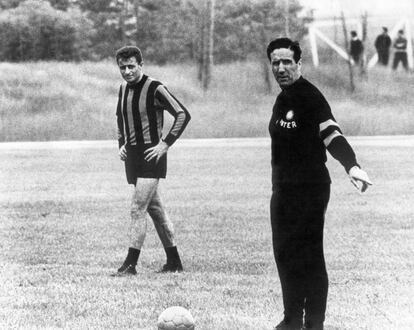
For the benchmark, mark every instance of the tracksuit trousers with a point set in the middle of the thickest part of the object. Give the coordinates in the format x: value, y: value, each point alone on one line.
x: 297, y: 217
x: 400, y: 57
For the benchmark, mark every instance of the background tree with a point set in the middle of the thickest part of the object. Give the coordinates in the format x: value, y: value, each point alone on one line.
x: 244, y: 28
x: 346, y: 42
x: 36, y: 31
x: 8, y: 4
x: 104, y: 15
x: 207, y: 44
x: 60, y: 4
x: 165, y: 30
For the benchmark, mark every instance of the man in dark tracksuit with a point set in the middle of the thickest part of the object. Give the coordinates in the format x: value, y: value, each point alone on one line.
x: 356, y: 49
x: 142, y: 102
x: 382, y: 45
x: 400, y: 51
x: 302, y: 127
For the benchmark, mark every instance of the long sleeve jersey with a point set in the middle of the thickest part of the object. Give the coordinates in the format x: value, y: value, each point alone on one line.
x: 302, y: 128
x: 140, y: 113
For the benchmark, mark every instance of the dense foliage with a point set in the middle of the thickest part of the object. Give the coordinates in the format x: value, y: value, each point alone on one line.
x: 35, y: 30
x: 166, y: 30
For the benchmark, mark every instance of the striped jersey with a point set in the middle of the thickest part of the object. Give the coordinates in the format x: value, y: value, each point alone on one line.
x: 140, y: 113
x: 302, y: 128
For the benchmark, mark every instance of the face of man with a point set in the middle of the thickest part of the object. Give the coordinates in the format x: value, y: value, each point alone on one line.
x: 130, y: 69
x: 284, y: 67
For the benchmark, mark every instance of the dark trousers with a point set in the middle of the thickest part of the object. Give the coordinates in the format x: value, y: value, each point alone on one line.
x: 400, y: 57
x: 383, y: 57
x: 297, y: 217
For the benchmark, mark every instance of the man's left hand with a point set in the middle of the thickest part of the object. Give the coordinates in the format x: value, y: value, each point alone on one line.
x: 357, y: 175
x: 156, y: 152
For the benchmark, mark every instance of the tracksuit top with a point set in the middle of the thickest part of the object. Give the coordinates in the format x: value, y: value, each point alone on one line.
x: 302, y: 127
x: 400, y: 45
x: 140, y: 113
x: 383, y: 42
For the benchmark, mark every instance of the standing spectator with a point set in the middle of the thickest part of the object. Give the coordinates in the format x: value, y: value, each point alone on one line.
x: 382, y: 45
x: 400, y: 48
x: 357, y: 48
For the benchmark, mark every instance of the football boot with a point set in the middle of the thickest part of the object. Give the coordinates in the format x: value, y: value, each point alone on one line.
x: 125, y: 270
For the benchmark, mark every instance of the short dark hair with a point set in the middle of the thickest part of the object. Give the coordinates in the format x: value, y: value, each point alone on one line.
x: 127, y: 52
x: 385, y: 29
x: 353, y: 33
x: 285, y: 43
x: 401, y: 31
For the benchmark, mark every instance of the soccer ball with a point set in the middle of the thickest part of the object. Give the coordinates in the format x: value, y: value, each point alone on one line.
x: 175, y: 318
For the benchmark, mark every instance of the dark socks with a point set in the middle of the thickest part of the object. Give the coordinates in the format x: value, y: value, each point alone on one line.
x: 132, y: 257
x: 172, y: 255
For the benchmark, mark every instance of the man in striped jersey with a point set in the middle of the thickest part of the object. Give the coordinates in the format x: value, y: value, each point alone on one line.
x: 302, y: 128
x: 141, y: 104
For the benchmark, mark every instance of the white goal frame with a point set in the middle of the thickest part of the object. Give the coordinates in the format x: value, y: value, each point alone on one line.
x: 315, y: 33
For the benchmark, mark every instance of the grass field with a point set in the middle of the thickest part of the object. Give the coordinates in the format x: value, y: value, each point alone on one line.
x: 76, y: 101
x: 63, y: 218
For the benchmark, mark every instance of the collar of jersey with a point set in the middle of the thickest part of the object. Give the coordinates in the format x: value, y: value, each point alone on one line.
x: 139, y: 83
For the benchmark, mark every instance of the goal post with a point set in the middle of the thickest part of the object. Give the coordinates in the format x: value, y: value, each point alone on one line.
x: 315, y: 33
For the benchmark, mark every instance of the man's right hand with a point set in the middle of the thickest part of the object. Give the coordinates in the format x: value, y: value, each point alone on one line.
x: 122, y: 153
x: 357, y: 175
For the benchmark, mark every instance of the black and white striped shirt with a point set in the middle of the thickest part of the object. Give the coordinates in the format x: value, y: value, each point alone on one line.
x: 140, y: 113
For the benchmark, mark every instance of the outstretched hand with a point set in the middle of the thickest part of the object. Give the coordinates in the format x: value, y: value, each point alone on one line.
x: 156, y: 152
x: 358, y: 176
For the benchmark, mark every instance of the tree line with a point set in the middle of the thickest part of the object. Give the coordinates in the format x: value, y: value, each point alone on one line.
x: 165, y: 30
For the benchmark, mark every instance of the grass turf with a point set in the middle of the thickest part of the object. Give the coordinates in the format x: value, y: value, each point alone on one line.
x: 64, y: 215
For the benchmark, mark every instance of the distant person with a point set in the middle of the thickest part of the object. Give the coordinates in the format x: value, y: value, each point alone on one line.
x: 302, y: 128
x: 382, y: 45
x: 356, y: 49
x: 141, y: 104
x: 400, y: 51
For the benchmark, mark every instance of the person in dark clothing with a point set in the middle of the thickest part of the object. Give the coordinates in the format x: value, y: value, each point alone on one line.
x: 382, y: 45
x: 302, y: 128
x: 356, y: 49
x: 400, y: 51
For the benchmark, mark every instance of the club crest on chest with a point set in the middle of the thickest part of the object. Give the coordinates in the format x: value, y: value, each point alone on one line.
x: 288, y: 122
x: 289, y: 115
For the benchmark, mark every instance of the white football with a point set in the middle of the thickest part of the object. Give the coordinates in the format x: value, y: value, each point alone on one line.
x: 175, y: 318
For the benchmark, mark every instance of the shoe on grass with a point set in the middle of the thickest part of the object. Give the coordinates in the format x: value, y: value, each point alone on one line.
x: 316, y: 326
x: 288, y: 324
x: 125, y: 270
x: 171, y: 268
